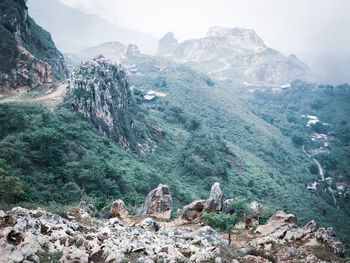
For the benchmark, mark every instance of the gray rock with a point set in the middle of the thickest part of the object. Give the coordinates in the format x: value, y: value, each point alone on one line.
x: 193, y: 211
x: 2, y: 213
x: 227, y: 206
x: 99, y: 89
x: 148, y: 222
x: 215, y: 201
x: 119, y: 210
x: 291, y: 250
x: 158, y: 203
x: 210, y: 234
x: 252, y: 220
x: 115, y: 221
x: 326, y: 235
x: 310, y: 227
x: 338, y: 248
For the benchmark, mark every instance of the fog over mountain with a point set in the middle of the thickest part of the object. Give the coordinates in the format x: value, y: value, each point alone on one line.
x: 74, y: 30
x: 313, y: 30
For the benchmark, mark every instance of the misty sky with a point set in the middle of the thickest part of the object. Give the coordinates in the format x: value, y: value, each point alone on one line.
x: 317, y: 31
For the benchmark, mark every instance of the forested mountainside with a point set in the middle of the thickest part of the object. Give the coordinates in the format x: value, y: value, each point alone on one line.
x: 121, y: 130
x: 28, y: 56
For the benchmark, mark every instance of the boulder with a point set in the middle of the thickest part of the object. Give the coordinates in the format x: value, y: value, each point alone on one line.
x: 252, y: 220
x: 279, y: 222
x: 215, y: 201
x: 338, y: 248
x: 310, y: 227
x: 227, y: 207
x: 326, y: 235
x: 193, y: 211
x: 158, y: 203
x: 118, y: 209
x: 283, y: 216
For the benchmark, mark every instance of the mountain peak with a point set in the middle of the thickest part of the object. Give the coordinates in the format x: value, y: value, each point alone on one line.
x: 237, y: 34
x: 167, y: 44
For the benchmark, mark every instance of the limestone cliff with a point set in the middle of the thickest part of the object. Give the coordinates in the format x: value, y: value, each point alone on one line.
x: 28, y: 56
x: 99, y: 89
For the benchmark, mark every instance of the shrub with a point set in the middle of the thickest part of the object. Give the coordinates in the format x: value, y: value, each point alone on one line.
x: 226, y: 222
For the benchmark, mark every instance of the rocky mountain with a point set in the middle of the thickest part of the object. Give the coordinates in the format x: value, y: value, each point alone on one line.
x: 234, y: 53
x: 73, y: 30
x: 28, y: 55
x: 99, y: 89
x: 78, y: 236
x: 115, y: 51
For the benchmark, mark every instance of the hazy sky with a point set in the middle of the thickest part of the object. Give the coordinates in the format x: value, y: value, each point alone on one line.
x: 317, y: 31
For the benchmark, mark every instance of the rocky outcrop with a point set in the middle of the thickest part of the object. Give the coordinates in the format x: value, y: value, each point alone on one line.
x: 132, y: 51
x: 167, y: 44
x: 214, y: 204
x: 119, y: 210
x: 158, y: 203
x: 215, y: 201
x: 327, y: 236
x: 193, y: 212
x: 37, y: 235
x: 278, y: 224
x: 237, y: 52
x: 28, y: 54
x: 115, y: 51
x: 27, y: 235
x: 99, y: 89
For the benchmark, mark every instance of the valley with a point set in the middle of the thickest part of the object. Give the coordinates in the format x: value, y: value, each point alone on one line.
x: 82, y: 132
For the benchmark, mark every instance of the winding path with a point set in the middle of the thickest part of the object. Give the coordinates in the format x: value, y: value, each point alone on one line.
x: 319, y: 169
x: 52, y: 99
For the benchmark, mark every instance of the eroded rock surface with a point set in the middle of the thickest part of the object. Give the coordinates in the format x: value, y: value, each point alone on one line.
x: 158, y: 203
x: 215, y: 201
x: 119, y: 210
x: 193, y: 211
x: 29, y: 56
x: 99, y: 89
x: 28, y: 234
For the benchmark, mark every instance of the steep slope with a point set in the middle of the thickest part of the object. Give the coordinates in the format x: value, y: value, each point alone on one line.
x: 74, y: 30
x: 237, y: 54
x: 99, y: 89
x: 28, y: 55
x: 271, y: 167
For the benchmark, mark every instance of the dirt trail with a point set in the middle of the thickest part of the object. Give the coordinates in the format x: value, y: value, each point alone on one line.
x: 319, y: 168
x: 51, y: 100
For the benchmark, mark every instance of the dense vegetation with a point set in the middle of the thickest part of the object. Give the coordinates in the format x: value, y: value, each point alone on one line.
x: 39, y: 41
x: 330, y: 104
x: 61, y: 157
x: 8, y: 50
x: 268, y: 164
x: 203, y: 131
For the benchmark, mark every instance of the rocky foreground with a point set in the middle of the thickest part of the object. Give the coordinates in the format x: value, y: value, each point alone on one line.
x: 41, y: 236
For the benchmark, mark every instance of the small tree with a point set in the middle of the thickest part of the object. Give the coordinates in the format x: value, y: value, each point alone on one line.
x: 226, y: 222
